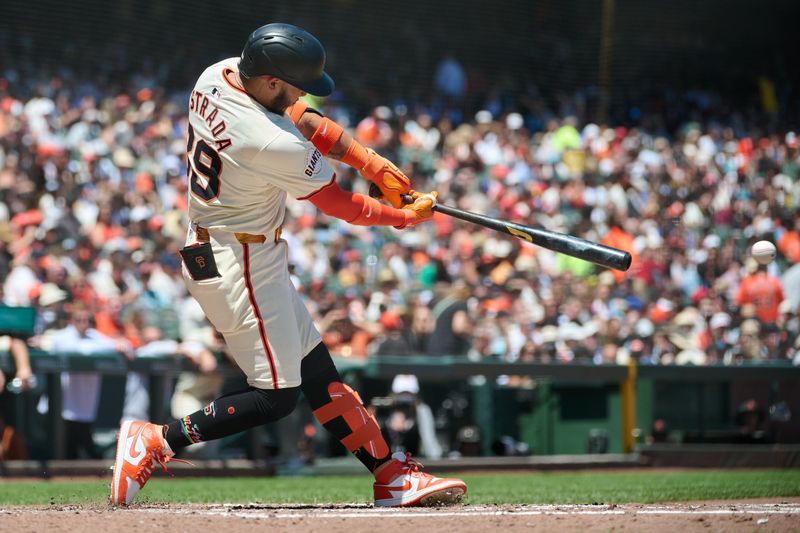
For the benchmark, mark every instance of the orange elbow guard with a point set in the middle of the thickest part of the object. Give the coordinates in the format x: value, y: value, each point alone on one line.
x: 326, y: 135
x: 296, y: 110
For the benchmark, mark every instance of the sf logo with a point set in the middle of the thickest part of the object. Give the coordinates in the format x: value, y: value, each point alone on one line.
x: 201, y: 262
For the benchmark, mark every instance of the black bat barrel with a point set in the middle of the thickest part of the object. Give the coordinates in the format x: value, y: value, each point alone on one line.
x: 571, y: 245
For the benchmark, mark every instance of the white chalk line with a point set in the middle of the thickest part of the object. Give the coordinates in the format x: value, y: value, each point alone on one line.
x: 367, y: 512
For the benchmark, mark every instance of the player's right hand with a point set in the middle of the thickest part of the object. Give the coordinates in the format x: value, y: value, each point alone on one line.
x: 421, y: 209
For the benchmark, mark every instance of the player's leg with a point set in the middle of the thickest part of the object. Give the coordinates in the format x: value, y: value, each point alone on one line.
x: 340, y: 409
x: 321, y: 382
x: 248, y: 305
x: 194, y: 392
x: 398, y: 480
x: 143, y: 445
x: 229, y: 415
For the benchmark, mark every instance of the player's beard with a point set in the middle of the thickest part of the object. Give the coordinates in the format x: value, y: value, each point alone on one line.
x: 280, y: 102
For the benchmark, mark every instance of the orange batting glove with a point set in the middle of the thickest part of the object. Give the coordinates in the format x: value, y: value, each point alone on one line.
x: 421, y: 210
x: 389, y: 179
x: 392, y: 183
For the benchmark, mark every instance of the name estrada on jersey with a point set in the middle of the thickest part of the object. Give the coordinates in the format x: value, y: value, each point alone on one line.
x: 244, y: 159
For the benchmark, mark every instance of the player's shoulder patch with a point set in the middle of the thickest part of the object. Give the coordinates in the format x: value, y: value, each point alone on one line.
x: 313, y: 158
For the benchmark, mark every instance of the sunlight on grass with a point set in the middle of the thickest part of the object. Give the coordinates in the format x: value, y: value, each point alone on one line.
x: 514, y: 488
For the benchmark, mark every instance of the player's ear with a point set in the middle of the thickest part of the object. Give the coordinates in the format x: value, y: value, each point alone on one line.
x: 272, y: 82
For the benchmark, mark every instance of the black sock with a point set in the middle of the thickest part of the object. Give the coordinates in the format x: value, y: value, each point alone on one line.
x: 231, y: 414
x: 317, y: 372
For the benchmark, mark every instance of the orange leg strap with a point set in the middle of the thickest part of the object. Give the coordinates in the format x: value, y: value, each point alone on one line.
x: 363, y: 437
x: 338, y: 406
x: 346, y: 403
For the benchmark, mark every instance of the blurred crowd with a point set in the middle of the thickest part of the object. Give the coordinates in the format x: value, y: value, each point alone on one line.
x: 688, y: 206
x: 93, y: 211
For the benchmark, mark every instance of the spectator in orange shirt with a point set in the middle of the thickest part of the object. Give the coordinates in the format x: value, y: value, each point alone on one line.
x: 789, y: 243
x: 617, y: 237
x: 762, y: 290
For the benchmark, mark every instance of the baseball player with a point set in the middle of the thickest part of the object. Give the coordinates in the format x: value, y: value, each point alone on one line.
x: 245, y: 156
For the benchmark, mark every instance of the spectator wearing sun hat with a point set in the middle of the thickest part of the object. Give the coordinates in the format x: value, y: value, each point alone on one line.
x: 717, y: 339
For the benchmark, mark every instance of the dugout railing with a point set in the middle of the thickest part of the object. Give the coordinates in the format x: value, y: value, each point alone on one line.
x: 573, y: 407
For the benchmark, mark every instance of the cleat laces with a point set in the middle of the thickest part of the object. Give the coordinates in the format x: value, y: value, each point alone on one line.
x: 147, y: 467
x: 412, y: 465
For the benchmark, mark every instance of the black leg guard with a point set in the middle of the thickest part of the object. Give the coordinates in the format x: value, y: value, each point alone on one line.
x: 231, y: 414
x: 340, y: 409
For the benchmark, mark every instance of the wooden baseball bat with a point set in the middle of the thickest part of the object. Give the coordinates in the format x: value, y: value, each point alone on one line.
x: 593, y: 252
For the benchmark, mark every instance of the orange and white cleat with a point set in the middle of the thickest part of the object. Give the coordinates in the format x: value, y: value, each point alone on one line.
x: 140, y: 447
x: 400, y: 483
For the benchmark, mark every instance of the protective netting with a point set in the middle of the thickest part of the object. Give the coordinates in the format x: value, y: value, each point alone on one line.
x: 643, y: 52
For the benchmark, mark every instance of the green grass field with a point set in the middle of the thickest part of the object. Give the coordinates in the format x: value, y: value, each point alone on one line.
x: 498, y: 488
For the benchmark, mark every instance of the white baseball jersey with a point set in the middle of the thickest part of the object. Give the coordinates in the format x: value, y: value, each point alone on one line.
x: 244, y: 159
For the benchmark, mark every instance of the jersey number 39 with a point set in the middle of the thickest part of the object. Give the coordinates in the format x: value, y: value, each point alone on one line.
x: 203, y: 161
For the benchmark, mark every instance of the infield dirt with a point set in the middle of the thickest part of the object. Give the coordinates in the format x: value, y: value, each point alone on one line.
x: 781, y: 514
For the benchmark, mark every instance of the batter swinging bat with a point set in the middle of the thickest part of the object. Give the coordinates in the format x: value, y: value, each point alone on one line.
x: 593, y: 252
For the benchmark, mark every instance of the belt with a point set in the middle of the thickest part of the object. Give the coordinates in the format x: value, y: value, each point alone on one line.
x: 244, y: 238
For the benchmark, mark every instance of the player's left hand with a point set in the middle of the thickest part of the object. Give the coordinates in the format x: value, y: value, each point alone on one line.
x: 391, y: 181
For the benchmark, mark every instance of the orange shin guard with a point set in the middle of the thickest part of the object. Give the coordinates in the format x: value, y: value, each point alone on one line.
x: 346, y: 403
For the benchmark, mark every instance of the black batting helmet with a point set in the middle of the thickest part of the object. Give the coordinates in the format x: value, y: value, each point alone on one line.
x: 289, y: 53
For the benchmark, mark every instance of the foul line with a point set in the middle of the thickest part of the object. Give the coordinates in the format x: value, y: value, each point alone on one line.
x: 323, y: 512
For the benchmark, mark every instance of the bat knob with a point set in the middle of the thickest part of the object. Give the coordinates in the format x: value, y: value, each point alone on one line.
x: 375, y: 192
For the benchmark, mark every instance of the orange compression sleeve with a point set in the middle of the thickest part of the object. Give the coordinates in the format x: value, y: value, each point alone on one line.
x: 366, y: 161
x: 357, y: 156
x: 358, y: 209
x: 326, y: 135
